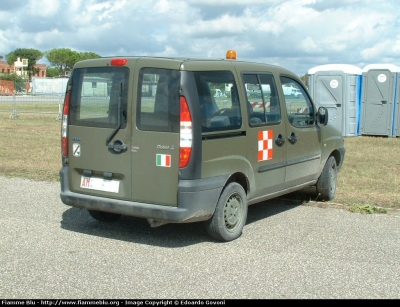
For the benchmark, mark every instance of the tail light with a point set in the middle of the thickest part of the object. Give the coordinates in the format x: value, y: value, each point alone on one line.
x: 186, y: 135
x: 64, y: 125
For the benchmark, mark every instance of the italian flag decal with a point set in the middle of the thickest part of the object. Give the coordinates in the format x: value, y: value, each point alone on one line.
x: 164, y: 160
x: 265, y: 141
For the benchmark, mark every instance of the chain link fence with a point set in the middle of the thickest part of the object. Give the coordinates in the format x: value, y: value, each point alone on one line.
x: 35, y: 104
x: 41, y: 96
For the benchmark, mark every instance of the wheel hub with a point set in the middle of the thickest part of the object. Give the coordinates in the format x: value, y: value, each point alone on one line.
x: 232, y: 212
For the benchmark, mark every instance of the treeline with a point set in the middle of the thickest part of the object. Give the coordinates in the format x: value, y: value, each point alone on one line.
x: 61, y: 60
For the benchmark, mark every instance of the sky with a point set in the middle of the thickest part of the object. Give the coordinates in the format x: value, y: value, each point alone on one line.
x: 295, y: 34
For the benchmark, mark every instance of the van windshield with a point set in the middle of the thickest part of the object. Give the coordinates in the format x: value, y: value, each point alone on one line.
x: 96, y: 94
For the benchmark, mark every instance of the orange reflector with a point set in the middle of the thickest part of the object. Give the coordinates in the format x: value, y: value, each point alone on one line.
x: 118, y: 62
x: 184, y: 156
x: 231, y: 54
x: 64, y: 146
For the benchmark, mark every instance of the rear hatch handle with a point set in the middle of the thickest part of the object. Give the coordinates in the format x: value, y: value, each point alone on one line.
x: 118, y: 146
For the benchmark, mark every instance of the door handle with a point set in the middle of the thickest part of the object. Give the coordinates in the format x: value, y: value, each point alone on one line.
x: 292, y: 138
x: 117, y: 147
x: 384, y: 102
x: 280, y: 140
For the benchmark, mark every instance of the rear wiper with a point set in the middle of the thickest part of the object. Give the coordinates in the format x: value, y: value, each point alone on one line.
x: 118, y: 116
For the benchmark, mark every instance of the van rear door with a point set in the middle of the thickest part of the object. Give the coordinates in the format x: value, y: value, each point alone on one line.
x: 155, y: 145
x: 99, y: 130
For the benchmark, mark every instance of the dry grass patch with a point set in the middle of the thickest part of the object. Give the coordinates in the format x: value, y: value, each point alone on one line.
x: 30, y: 146
x: 370, y: 175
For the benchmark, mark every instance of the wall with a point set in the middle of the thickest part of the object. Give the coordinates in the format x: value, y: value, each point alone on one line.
x: 6, y: 87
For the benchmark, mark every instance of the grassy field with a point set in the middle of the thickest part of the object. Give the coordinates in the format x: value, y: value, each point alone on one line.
x: 370, y: 177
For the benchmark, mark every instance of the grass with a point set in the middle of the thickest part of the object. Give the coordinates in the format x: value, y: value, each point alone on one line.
x: 30, y: 146
x: 369, y: 180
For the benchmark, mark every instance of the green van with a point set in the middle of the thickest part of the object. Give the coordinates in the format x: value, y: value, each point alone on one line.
x: 149, y: 137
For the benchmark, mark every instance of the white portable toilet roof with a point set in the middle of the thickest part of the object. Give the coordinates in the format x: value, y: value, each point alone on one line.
x: 391, y: 67
x: 346, y: 68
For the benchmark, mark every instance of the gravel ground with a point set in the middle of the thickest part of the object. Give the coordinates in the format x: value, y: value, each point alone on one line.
x: 50, y: 250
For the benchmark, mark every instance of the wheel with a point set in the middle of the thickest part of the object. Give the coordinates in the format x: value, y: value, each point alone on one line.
x: 104, y: 216
x: 326, y: 185
x: 230, y: 214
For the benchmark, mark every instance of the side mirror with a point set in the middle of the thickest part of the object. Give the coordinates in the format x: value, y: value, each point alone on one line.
x: 322, y: 116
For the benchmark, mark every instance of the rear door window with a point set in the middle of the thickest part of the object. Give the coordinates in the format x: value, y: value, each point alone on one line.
x: 158, y: 100
x: 99, y: 97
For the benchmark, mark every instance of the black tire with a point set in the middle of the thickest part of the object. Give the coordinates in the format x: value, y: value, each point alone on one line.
x: 104, y: 216
x: 230, y: 214
x: 326, y: 185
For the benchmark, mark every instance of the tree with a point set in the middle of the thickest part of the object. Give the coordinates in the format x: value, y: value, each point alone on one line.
x: 64, y: 59
x: 52, y: 72
x: 89, y: 55
x: 32, y: 55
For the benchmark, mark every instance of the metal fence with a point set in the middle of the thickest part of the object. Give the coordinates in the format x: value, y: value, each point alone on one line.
x: 35, y: 104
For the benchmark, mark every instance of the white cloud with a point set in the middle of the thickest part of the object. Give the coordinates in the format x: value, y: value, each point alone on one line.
x: 43, y: 8
x: 296, y: 34
x: 232, y: 2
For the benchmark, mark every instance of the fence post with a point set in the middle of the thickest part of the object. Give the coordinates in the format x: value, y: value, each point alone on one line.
x: 60, y: 101
x: 14, y: 113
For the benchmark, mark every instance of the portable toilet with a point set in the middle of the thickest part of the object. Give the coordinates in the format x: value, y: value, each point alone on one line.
x: 378, y: 106
x: 338, y: 88
x: 396, y: 113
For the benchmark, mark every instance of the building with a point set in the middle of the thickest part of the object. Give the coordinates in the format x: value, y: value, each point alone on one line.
x: 5, y: 68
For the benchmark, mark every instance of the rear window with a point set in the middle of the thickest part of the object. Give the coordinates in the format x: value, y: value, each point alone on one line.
x: 99, y: 97
x: 158, y: 100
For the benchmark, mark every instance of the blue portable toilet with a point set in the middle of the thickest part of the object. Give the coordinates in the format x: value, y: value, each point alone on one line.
x: 396, y: 112
x: 379, y: 106
x: 338, y: 88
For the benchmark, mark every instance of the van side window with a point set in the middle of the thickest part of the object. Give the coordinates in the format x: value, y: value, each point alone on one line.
x: 218, y: 101
x: 158, y: 100
x: 300, y: 110
x: 262, y: 99
x: 96, y: 94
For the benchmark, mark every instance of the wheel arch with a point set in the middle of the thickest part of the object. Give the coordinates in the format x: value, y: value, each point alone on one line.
x: 338, y: 157
x: 241, y: 179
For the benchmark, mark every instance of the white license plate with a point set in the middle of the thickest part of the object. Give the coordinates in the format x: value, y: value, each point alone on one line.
x: 100, y: 184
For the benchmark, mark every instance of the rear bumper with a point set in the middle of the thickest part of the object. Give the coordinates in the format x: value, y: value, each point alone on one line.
x: 197, y: 200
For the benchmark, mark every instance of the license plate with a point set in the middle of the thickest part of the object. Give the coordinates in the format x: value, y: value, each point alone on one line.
x: 100, y: 184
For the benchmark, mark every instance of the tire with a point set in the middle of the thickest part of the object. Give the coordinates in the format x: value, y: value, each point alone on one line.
x: 230, y: 214
x: 104, y: 216
x: 326, y: 185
